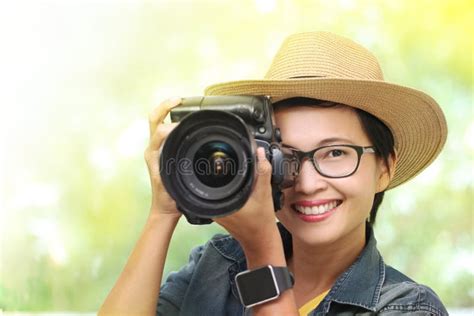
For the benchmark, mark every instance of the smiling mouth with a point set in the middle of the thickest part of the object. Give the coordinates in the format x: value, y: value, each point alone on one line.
x: 316, y: 210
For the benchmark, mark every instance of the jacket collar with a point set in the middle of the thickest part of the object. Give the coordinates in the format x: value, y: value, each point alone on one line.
x: 359, y: 285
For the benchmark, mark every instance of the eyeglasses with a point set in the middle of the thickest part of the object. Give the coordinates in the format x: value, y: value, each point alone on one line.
x: 335, y: 161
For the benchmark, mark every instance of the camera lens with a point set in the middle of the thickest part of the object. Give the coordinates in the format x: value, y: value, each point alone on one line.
x: 207, y: 164
x: 215, y: 164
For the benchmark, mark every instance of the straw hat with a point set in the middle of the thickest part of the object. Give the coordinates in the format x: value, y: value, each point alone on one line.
x: 326, y: 66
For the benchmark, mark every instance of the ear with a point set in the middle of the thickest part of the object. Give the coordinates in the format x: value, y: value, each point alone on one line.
x: 386, y: 172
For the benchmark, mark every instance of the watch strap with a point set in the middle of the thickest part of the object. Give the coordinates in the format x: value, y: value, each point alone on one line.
x: 284, y: 278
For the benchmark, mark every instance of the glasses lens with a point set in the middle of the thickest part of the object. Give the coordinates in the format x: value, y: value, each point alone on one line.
x: 336, y: 161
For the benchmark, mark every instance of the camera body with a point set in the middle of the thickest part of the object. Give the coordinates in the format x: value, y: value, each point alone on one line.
x: 208, y: 163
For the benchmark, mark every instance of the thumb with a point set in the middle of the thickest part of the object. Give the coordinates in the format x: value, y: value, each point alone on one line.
x: 264, y: 168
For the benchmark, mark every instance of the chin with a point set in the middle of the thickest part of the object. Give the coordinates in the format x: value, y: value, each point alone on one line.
x: 318, y: 237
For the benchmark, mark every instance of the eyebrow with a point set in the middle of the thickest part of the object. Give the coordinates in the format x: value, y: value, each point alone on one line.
x: 327, y: 141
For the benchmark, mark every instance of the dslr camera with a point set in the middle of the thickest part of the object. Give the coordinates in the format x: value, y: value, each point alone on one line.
x: 208, y: 163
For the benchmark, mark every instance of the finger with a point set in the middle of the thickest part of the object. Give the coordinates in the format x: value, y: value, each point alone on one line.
x: 152, y: 154
x: 159, y: 113
x: 161, y: 132
x: 264, y: 168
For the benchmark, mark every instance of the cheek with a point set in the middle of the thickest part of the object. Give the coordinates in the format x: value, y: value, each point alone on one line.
x: 358, y: 195
x: 361, y: 188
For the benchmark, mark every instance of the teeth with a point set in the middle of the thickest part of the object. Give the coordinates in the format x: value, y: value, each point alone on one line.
x: 316, y: 210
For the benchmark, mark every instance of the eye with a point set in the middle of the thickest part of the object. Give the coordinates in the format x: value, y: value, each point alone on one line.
x: 332, y: 153
x: 335, y: 153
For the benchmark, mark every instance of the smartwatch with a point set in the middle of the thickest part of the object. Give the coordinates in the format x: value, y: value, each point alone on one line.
x: 263, y: 284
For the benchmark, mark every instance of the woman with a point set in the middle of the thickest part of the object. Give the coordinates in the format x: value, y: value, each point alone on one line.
x: 354, y: 136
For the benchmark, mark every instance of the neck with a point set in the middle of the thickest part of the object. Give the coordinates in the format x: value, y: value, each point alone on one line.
x: 316, y: 268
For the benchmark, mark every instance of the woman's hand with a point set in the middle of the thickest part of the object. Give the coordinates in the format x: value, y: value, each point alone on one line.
x: 255, y: 228
x: 137, y: 289
x: 162, y: 203
x: 254, y: 225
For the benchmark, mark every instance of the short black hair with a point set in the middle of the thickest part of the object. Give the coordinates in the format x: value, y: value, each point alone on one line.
x: 379, y: 135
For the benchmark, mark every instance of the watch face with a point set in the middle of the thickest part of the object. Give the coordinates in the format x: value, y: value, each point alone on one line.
x: 257, y: 286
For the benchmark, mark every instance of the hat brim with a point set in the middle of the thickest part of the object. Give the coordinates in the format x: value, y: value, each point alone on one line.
x: 415, y: 119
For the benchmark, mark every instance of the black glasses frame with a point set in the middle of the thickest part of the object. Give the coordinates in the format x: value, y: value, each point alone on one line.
x: 300, y: 155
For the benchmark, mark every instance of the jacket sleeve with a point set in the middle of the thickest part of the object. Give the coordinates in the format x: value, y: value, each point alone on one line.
x: 173, y: 291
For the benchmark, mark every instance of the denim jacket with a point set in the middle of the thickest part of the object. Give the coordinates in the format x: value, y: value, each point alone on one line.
x: 206, y: 286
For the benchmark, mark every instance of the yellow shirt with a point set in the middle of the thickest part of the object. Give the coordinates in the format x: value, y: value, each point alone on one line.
x: 312, y: 304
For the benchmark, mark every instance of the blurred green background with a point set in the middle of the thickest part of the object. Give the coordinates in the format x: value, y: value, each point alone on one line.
x: 78, y: 79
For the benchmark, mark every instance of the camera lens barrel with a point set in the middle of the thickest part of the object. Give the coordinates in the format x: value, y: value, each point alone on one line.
x: 207, y: 164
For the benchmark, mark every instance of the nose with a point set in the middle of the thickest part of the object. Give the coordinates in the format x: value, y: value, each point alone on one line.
x: 309, y: 180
